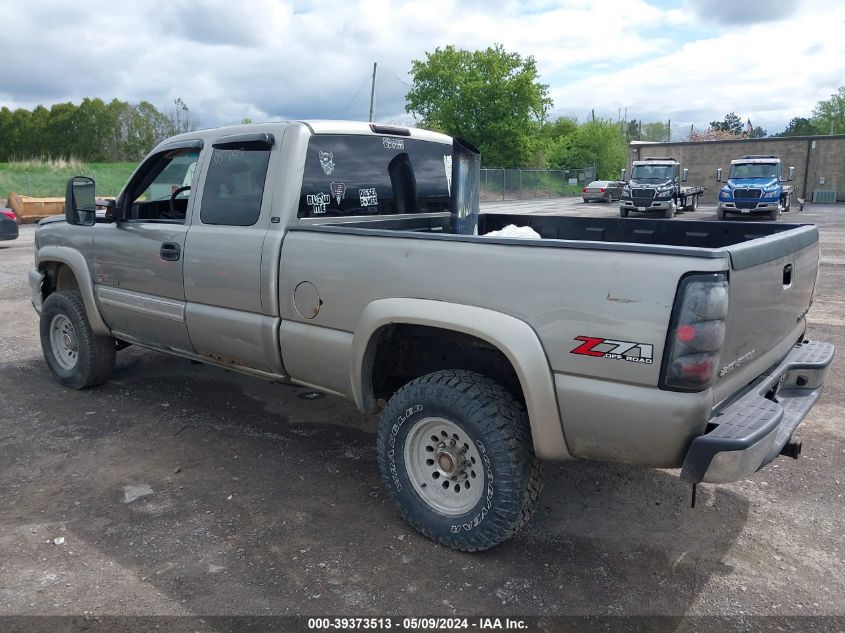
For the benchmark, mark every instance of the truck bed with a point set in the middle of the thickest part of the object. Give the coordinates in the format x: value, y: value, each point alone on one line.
x: 691, y: 238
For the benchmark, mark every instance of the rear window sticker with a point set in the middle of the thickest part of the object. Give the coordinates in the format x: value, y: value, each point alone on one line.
x: 368, y: 197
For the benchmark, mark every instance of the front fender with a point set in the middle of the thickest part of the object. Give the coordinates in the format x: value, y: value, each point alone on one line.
x: 75, y: 260
x: 514, y: 338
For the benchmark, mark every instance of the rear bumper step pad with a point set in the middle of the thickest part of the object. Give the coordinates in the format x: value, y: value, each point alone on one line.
x: 750, y: 431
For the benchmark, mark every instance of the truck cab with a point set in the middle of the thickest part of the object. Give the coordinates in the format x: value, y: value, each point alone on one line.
x: 655, y: 185
x: 755, y: 186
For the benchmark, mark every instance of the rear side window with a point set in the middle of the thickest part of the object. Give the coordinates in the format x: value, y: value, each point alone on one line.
x: 234, y: 186
x: 370, y: 175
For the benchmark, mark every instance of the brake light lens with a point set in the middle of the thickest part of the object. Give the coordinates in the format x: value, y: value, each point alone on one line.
x: 584, y: 190
x: 9, y: 214
x: 601, y: 189
x: 696, y: 333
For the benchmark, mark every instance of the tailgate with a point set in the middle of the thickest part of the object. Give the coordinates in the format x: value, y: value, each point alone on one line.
x: 771, y: 284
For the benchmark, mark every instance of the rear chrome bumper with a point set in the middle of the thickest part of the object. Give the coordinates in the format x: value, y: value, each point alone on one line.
x: 750, y: 431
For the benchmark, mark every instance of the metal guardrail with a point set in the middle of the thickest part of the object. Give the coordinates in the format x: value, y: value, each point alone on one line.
x: 526, y: 184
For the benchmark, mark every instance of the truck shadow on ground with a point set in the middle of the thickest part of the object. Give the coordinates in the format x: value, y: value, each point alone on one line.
x: 258, y: 501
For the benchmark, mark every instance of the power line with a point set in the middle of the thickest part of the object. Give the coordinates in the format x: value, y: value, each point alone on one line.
x: 366, y: 79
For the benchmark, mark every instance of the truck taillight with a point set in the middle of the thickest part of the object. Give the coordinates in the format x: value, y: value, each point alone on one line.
x: 696, y: 333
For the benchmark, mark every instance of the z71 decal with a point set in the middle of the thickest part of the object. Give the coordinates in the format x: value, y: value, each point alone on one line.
x: 615, y: 350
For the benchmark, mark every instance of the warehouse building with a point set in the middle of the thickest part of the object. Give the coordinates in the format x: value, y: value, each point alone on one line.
x: 819, y: 161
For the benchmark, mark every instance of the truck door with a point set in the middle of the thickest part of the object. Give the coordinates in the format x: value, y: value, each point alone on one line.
x: 138, y: 260
x: 226, y: 319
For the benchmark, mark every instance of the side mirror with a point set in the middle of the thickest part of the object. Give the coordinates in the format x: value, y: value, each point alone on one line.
x: 80, y: 201
x: 686, y: 175
x: 719, y: 174
x: 623, y: 175
x: 791, y: 173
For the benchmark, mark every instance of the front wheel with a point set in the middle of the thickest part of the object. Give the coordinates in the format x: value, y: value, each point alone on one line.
x: 773, y: 214
x: 721, y: 214
x: 670, y: 211
x: 77, y: 356
x: 455, y: 453
x: 623, y: 212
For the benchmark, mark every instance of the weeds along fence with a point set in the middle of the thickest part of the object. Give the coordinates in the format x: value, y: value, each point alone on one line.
x: 525, y: 184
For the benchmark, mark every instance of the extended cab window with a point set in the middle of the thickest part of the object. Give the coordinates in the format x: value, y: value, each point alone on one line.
x: 234, y: 186
x: 363, y: 175
x: 165, y: 187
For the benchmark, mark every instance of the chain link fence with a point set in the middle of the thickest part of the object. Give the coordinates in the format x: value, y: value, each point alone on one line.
x: 525, y: 184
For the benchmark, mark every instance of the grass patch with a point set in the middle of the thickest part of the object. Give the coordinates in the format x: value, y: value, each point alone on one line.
x: 46, y: 178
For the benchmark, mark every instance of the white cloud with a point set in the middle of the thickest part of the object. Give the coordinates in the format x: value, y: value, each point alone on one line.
x: 270, y: 59
x: 768, y: 72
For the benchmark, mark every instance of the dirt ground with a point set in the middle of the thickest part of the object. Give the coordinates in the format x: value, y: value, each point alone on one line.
x: 184, y: 489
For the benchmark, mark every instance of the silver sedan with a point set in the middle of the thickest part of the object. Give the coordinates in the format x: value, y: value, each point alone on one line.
x: 603, y: 191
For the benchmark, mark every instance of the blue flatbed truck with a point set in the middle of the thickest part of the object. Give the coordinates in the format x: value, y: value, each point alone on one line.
x: 755, y: 185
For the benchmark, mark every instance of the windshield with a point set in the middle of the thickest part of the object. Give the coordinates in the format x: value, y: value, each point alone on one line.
x: 653, y: 172
x: 754, y: 170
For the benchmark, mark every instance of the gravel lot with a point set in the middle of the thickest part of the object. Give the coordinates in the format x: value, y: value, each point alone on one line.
x: 185, y: 489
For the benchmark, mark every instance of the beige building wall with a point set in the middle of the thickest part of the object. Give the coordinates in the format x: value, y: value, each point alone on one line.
x: 814, y: 158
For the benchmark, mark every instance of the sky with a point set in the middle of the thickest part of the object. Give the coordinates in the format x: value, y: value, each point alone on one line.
x: 691, y: 61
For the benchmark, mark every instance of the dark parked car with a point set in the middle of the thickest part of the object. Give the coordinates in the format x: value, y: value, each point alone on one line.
x: 8, y: 225
x: 603, y: 190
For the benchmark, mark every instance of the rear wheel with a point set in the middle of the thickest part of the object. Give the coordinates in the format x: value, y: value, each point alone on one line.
x: 609, y: 198
x: 77, y: 356
x: 456, y: 456
x: 694, y: 204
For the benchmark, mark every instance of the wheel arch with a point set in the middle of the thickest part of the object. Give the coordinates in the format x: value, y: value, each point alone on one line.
x: 514, y: 339
x: 66, y: 269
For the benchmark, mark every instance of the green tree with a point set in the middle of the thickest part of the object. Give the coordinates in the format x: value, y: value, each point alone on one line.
x: 597, y: 142
x: 757, y: 132
x: 656, y: 131
x: 731, y: 123
x: 829, y: 115
x: 492, y: 98
x: 800, y: 126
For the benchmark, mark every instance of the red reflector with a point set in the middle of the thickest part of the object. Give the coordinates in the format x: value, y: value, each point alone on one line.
x: 701, y: 369
x: 685, y: 333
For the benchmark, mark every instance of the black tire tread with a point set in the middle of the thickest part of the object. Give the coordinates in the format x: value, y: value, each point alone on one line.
x: 499, y: 414
x: 97, y: 353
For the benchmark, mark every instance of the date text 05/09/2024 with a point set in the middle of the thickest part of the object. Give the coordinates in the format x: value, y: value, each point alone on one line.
x: 415, y: 624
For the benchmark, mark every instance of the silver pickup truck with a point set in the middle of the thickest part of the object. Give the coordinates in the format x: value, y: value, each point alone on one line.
x: 351, y: 258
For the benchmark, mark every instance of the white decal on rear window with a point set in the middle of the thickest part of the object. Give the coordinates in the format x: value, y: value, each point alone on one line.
x: 393, y: 143
x: 447, y: 165
x: 327, y: 162
x: 317, y: 202
x: 368, y: 197
x: 338, y: 189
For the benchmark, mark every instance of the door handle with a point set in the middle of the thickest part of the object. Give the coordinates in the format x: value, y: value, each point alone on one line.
x: 170, y: 251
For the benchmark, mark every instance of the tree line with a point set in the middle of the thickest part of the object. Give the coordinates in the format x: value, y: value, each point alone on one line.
x: 93, y: 131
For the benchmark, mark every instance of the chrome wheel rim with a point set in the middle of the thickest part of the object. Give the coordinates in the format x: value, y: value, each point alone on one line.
x: 63, y: 342
x: 444, y: 466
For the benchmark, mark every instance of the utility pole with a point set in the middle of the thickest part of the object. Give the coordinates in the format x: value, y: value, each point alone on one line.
x: 669, y: 140
x: 594, y: 115
x: 373, y: 92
